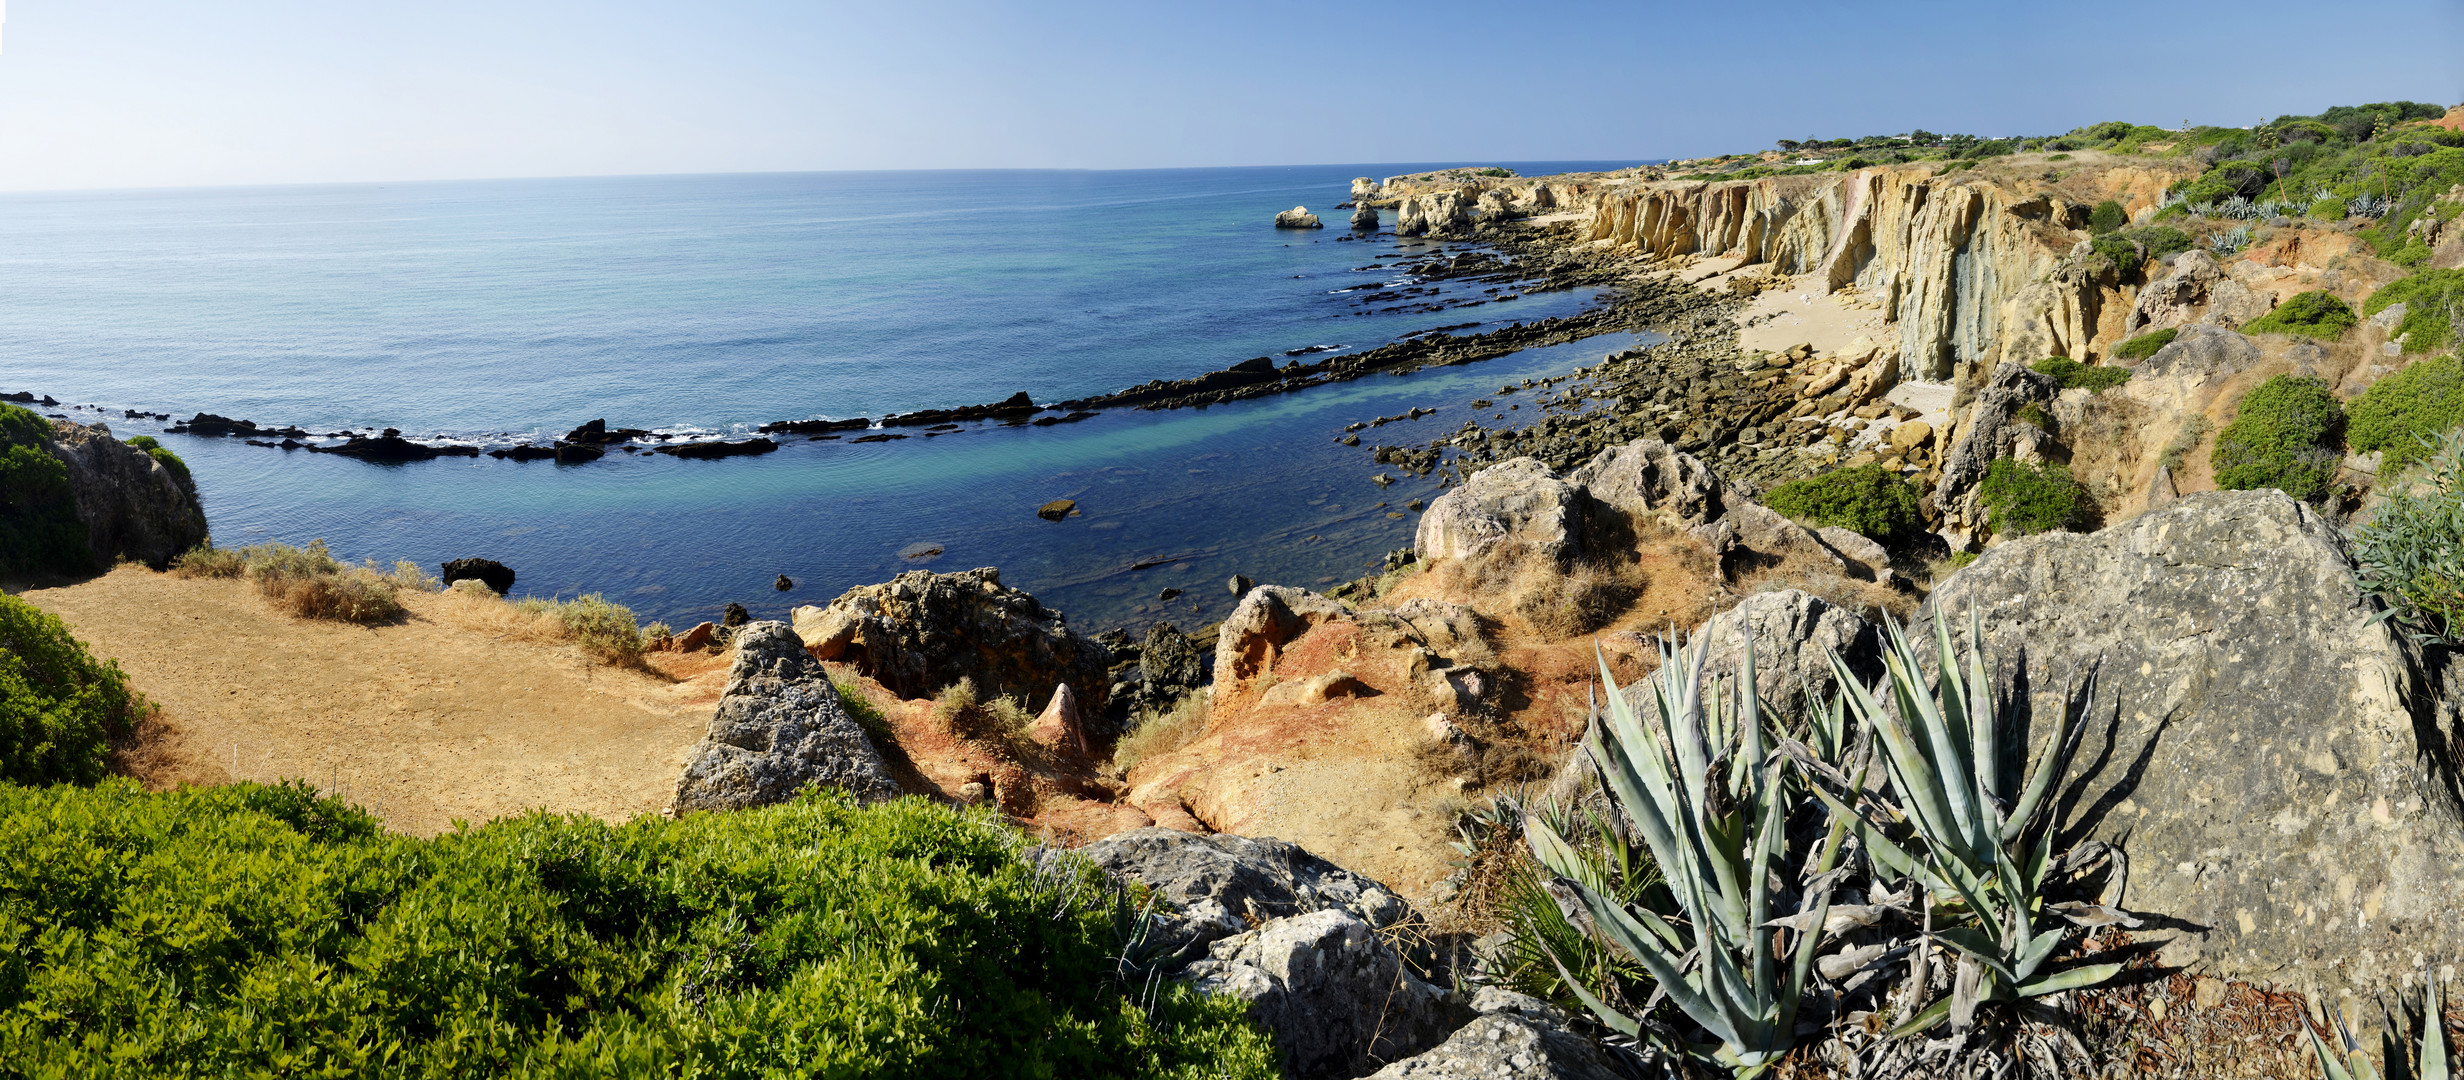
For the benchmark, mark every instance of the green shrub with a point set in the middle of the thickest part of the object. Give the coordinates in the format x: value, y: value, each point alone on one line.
x: 2315, y: 314
x: 2431, y: 300
x: 603, y: 629
x: 2078, y: 376
x: 254, y: 931
x: 2035, y: 414
x: 2124, y: 255
x: 207, y: 561
x: 2328, y: 209
x: 2022, y: 498
x: 2411, y: 551
x: 59, y: 706
x: 40, y: 532
x: 2161, y: 240
x: 2145, y: 345
x: 1870, y: 499
x: 154, y: 449
x: 2107, y: 217
x: 2398, y: 413
x: 2284, y: 437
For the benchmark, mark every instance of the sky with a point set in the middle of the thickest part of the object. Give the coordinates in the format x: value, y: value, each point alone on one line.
x: 177, y: 93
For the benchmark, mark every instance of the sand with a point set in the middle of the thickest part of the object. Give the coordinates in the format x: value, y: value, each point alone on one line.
x: 423, y: 721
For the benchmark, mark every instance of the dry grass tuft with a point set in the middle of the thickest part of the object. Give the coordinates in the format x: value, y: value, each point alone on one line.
x: 308, y: 581
x: 1557, y: 600
x: 1162, y: 732
x: 960, y: 710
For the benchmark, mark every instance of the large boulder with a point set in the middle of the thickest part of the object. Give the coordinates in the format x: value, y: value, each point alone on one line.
x: 133, y: 506
x: 921, y: 632
x: 1794, y: 634
x: 1992, y: 430
x: 1364, y: 219
x: 1337, y: 998
x: 1649, y: 481
x: 497, y: 576
x: 1216, y: 886
x: 1519, y: 502
x: 1267, y: 619
x: 2177, y: 297
x: 780, y: 727
x: 2200, y: 350
x: 2279, y: 765
x: 1513, y: 1037
x: 1298, y: 217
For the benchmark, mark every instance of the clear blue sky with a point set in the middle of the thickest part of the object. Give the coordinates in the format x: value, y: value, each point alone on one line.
x: 134, y: 93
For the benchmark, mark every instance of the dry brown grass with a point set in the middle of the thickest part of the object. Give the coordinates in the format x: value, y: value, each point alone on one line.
x: 1556, y: 600
x: 961, y: 711
x: 604, y: 630
x: 1160, y: 733
x: 309, y: 582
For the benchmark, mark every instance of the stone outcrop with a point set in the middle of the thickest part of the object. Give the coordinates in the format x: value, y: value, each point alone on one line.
x: 1992, y: 430
x: 1298, y: 217
x: 1267, y: 618
x: 2280, y: 767
x: 1520, y: 502
x: 2202, y: 351
x: 1364, y: 219
x: 1648, y: 481
x: 2178, y: 295
x: 1795, y: 634
x: 497, y: 576
x: 1440, y: 213
x: 779, y: 727
x: 133, y: 506
x: 922, y: 632
x: 1338, y: 1000
x: 1513, y: 1037
x: 1214, y: 885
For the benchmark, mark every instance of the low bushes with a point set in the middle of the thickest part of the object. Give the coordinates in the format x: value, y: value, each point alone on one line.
x: 2077, y: 376
x: 1162, y: 732
x: 2107, y: 217
x: 1870, y: 499
x: 2145, y: 345
x: 154, y: 449
x: 59, y: 706
x: 2411, y: 551
x: 2023, y: 498
x: 2431, y: 300
x: 309, y: 581
x: 250, y: 930
x: 2284, y: 437
x: 2314, y: 314
x: 39, y: 529
x: 603, y: 629
x: 2397, y: 413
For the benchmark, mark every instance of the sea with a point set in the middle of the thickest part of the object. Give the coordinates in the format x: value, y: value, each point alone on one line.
x: 495, y: 311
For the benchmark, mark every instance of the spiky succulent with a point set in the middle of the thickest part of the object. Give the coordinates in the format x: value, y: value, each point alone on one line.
x: 2226, y: 243
x: 2355, y: 1062
x: 2366, y: 205
x: 2237, y: 208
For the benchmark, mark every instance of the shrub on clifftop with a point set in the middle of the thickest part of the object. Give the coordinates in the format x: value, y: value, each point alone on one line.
x: 2284, y: 437
x: 258, y: 931
x: 2145, y: 345
x: 2023, y: 498
x: 2078, y: 376
x: 39, y: 529
x: 59, y: 706
x: 1870, y: 499
x: 2398, y: 412
x: 2431, y: 300
x: 2107, y: 217
x: 2314, y: 314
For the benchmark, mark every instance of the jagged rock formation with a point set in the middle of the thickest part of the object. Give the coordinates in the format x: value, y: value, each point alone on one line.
x: 1338, y: 1000
x: 1795, y: 634
x: 1298, y: 217
x: 1364, y: 219
x: 1519, y: 502
x: 1515, y: 1037
x: 1993, y: 430
x: 2280, y: 767
x: 779, y: 727
x: 133, y: 506
x: 1215, y: 884
x: 921, y: 632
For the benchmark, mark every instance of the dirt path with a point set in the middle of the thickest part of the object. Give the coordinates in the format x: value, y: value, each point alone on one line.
x: 422, y: 721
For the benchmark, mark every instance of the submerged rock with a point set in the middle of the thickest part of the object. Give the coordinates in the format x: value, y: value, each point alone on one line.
x: 780, y: 727
x: 1057, y: 509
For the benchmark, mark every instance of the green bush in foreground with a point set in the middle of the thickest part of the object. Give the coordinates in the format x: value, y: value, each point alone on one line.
x: 2397, y: 413
x: 2022, y: 498
x: 1870, y: 499
x: 2078, y: 376
x: 2411, y: 551
x: 39, y: 529
x: 2284, y: 437
x: 252, y: 931
x: 59, y: 706
x: 2431, y: 299
x: 2315, y: 314
x: 2145, y: 345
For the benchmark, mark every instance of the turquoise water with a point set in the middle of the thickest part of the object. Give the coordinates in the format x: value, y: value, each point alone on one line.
x: 500, y: 309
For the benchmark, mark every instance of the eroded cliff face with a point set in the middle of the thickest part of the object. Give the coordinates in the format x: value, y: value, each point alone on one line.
x: 1972, y: 270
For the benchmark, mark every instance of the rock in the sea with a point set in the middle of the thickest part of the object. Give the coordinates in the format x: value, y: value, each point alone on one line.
x: 1518, y: 502
x: 734, y: 615
x: 497, y: 576
x: 780, y: 727
x: 1364, y: 219
x: 132, y: 506
x: 1512, y: 1037
x: 2279, y: 765
x: 1337, y: 999
x: 1241, y: 585
x: 1298, y: 217
x: 1057, y: 509
x: 921, y: 632
x: 784, y: 583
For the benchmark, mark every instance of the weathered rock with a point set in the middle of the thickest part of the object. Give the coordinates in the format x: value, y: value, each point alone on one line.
x: 1519, y: 502
x: 1059, y: 726
x: 391, y: 446
x: 784, y: 583
x: 497, y: 576
x: 1864, y: 557
x: 1213, y: 883
x: 921, y: 632
x: 133, y: 506
x: 2202, y: 350
x: 1267, y: 618
x: 1992, y: 430
x: 2280, y: 767
x: 1646, y: 481
x: 698, y: 638
x: 1057, y: 509
x: 734, y: 615
x: 1912, y: 435
x: 1337, y: 999
x: 2232, y: 303
x: 1794, y: 634
x: 780, y: 727
x: 1241, y: 585
x: 1512, y: 1037
x: 2177, y: 298
x: 1170, y: 661
x: 1298, y: 217
x: 1364, y: 219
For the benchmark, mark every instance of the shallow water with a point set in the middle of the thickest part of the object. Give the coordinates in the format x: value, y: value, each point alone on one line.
x: 717, y: 303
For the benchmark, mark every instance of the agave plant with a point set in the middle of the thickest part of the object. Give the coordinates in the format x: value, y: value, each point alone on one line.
x: 1712, y: 804
x: 2366, y: 205
x: 2226, y: 243
x: 2237, y: 208
x: 1961, y: 790
x: 2355, y: 1065
x: 2203, y: 209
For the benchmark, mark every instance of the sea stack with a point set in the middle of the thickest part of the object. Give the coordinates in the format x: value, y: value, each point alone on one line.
x: 1364, y: 219
x: 1298, y: 217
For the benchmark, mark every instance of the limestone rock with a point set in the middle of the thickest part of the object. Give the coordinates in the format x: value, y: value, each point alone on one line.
x: 1268, y: 618
x: 921, y: 632
x: 1863, y: 556
x: 1365, y: 188
x: 1298, y: 217
x: 1212, y: 881
x: 2202, y: 351
x: 779, y: 727
x: 1912, y: 435
x: 1520, y: 501
x: 1364, y: 219
x: 2177, y: 298
x: 1794, y: 634
x: 1505, y: 1044
x: 1058, y: 727
x: 1337, y: 999
x: 2279, y: 767
x: 1993, y: 430
x: 133, y: 506
x: 2233, y: 303
x: 1648, y: 480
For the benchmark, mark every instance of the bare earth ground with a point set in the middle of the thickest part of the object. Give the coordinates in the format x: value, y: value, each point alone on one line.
x: 424, y: 721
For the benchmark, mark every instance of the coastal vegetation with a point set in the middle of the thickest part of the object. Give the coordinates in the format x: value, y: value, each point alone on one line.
x: 39, y: 529
x: 1870, y: 499
x: 308, y: 581
x: 2023, y: 498
x: 2313, y: 314
x: 2431, y: 299
x: 268, y: 930
x: 2145, y: 345
x: 2284, y: 437
x: 2403, y: 412
x: 2077, y: 376
x: 2411, y: 550
x: 59, y: 706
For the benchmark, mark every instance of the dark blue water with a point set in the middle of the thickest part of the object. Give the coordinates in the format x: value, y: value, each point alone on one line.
x: 493, y: 309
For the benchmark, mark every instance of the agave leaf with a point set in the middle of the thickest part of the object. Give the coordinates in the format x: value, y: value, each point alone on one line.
x: 2035, y: 955
x: 1978, y: 946
x: 2433, y: 1034
x: 2085, y: 975
x: 1925, y: 1018
x: 2050, y: 764
x: 1616, y: 1021
x: 2328, y: 1065
x: 1922, y: 798
x: 1983, y: 732
x: 1622, y: 930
